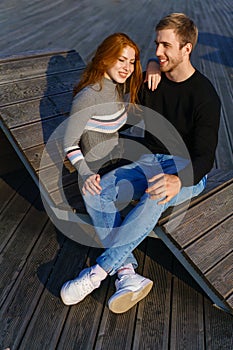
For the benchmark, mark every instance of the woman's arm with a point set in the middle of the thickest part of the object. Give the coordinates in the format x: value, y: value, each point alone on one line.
x: 74, y: 127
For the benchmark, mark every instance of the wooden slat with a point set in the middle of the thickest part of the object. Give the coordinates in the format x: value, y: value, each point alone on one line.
x: 217, y: 179
x: 221, y: 276
x: 9, y: 184
x: 15, y: 92
x: 9, y: 160
x: 208, y: 213
x: 24, y: 295
x: 187, y: 317
x: 212, y: 247
x: 36, y: 110
x: 230, y: 300
x: 38, y: 64
x: 218, y: 328
x: 35, y: 153
x: 27, y: 233
x: 123, y: 324
x: 63, y: 265
x: 38, y: 133
x: 15, y: 211
x: 152, y: 329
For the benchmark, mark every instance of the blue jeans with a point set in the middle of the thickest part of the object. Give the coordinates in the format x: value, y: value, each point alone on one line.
x: 119, y: 187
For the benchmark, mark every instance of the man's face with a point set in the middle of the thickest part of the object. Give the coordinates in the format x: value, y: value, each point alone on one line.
x: 168, y: 50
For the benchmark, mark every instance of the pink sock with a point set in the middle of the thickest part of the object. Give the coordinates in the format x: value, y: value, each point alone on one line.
x: 100, y: 273
x: 125, y: 270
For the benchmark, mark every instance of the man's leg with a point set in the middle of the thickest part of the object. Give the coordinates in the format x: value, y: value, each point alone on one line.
x: 138, y: 224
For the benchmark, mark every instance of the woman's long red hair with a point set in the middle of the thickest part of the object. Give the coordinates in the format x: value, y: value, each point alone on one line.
x: 106, y: 55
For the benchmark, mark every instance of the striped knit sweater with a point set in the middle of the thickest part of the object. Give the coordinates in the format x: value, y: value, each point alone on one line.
x: 92, y: 128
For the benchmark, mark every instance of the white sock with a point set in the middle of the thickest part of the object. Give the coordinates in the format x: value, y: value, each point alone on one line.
x: 125, y: 270
x: 100, y: 273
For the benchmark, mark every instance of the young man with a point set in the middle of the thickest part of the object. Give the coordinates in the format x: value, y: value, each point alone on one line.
x: 187, y: 101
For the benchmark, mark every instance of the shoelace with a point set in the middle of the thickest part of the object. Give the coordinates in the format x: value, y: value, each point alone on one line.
x: 86, y: 284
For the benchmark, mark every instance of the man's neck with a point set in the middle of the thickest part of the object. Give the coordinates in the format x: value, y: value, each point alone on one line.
x: 181, y: 73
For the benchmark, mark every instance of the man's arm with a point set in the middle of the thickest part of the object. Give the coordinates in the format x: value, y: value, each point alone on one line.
x: 153, y: 74
x: 204, y: 142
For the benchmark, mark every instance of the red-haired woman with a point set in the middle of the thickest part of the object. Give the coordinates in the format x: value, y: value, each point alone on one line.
x: 98, y: 112
x: 91, y: 139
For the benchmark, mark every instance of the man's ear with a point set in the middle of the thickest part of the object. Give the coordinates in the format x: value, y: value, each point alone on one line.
x: 188, y: 48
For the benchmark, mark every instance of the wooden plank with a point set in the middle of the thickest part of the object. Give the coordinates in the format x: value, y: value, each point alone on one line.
x: 191, y: 268
x: 79, y: 332
x: 187, y: 312
x: 15, y: 211
x: 35, y: 153
x: 38, y: 133
x: 9, y: 185
x: 221, y: 276
x: 229, y: 300
x: 19, y: 247
x: 64, y: 263
x: 116, y: 330
x: 218, y: 328
x: 36, y: 110
x: 217, y: 179
x: 187, y: 317
x: 153, y: 316
x: 9, y: 160
x: 207, y: 213
x: 37, y: 64
x: 212, y: 247
x: 23, y: 298
x: 32, y: 88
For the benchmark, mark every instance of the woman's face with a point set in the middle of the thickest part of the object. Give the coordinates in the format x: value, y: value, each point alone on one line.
x: 123, y: 67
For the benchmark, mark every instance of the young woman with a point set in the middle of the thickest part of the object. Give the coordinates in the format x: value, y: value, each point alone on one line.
x: 91, y: 139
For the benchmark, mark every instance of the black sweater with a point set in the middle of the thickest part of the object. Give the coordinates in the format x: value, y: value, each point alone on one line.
x: 193, y: 109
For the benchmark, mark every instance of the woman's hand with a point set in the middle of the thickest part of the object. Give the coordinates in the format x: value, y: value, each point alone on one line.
x: 92, y: 185
x: 153, y: 75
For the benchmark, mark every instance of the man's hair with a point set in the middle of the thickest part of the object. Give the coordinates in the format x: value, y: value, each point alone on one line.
x: 183, y: 26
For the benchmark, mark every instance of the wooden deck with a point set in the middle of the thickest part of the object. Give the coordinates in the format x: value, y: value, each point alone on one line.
x: 36, y: 259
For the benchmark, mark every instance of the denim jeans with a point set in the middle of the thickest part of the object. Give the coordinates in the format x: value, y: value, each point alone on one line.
x: 121, y: 236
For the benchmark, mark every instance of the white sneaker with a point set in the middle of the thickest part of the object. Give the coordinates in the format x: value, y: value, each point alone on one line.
x: 74, y: 291
x: 130, y: 290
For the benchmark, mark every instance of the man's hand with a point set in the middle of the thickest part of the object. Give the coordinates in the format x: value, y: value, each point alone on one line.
x: 164, y: 186
x: 153, y: 75
x: 92, y: 185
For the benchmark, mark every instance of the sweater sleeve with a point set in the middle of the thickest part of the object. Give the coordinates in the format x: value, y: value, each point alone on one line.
x: 203, y: 141
x: 81, y: 111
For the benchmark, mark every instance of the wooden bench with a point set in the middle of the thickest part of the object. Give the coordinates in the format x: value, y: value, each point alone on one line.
x: 36, y: 96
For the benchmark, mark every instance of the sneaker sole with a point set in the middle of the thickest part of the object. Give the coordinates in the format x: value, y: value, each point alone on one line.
x: 126, y: 301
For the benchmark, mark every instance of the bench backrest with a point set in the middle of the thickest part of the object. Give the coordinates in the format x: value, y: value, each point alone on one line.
x: 36, y: 95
